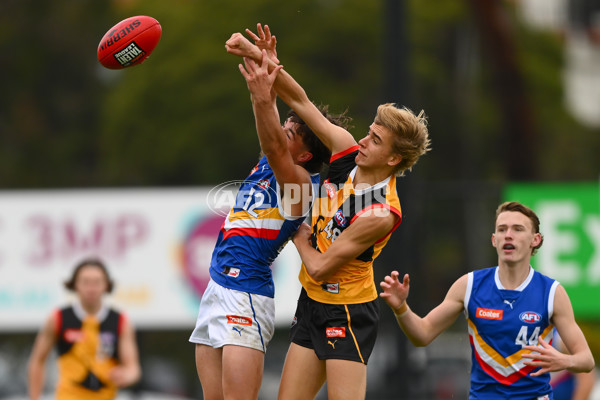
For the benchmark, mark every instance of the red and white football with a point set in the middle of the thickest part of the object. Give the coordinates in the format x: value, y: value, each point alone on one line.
x: 129, y: 42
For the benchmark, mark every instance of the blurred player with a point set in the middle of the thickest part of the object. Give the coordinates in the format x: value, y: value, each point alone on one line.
x: 97, y: 350
x: 236, y: 317
x: 511, y: 312
x: 335, y: 325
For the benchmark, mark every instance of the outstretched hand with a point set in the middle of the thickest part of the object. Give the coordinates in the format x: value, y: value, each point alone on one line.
x: 395, y: 292
x: 265, y: 41
x: 546, y: 357
x: 258, y: 78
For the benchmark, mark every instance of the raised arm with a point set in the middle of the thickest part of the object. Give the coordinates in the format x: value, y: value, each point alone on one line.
x: 422, y: 331
x: 579, y: 357
x: 274, y: 138
x: 337, y: 139
x: 42, y: 346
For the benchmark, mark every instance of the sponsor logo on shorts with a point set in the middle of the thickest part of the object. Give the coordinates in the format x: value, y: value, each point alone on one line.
x: 531, y: 317
x: 332, y: 343
x: 488, y: 313
x: 335, y: 332
x: 239, y: 320
x: 294, y: 321
x: 331, y: 287
x: 544, y: 397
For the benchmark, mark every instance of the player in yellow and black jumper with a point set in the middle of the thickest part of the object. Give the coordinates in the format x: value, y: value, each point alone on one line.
x: 97, y: 352
x: 336, y: 320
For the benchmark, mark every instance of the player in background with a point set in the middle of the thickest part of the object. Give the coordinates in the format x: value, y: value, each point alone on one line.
x: 568, y: 385
x: 97, y: 350
x: 511, y: 312
x: 236, y: 316
x: 335, y: 326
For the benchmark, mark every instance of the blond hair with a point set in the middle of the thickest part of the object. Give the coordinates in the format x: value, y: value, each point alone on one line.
x: 410, y: 134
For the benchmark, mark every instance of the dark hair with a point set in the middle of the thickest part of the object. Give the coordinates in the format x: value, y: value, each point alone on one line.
x: 321, y: 154
x: 89, y: 262
x: 528, y: 212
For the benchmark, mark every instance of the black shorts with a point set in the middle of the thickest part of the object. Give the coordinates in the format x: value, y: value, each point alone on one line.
x: 336, y: 331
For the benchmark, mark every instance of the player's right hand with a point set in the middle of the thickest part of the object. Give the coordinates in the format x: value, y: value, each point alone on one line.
x: 238, y: 45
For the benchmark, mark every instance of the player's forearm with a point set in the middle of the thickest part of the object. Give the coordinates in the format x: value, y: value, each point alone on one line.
x: 413, y: 326
x: 272, y: 140
x: 132, y: 375
x: 584, y: 384
x: 125, y: 376
x: 35, y: 380
x: 290, y: 91
x: 315, y: 262
x: 582, y: 361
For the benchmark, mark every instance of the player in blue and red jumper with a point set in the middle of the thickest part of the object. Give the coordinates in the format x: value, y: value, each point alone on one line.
x: 511, y: 312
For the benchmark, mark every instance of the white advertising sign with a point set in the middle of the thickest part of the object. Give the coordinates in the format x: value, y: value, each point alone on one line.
x: 157, y: 244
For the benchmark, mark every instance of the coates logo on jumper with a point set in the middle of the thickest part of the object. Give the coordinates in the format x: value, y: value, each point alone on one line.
x: 335, y: 331
x: 488, y: 313
x: 531, y: 317
x: 73, y: 335
x: 239, y: 320
x: 249, y: 196
x: 329, y: 189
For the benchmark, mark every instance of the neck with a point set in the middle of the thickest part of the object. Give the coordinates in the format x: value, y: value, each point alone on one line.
x: 513, y: 275
x: 370, y: 176
x: 91, y: 308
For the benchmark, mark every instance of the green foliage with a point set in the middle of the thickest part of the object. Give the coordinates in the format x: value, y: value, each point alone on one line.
x: 184, y: 116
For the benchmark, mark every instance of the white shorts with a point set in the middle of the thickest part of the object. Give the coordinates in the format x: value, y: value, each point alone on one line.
x: 231, y: 317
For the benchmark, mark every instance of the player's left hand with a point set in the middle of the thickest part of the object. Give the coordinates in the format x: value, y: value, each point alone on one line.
x: 264, y: 40
x: 395, y: 292
x: 546, y: 357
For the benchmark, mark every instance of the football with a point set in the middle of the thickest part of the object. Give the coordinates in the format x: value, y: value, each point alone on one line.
x: 129, y: 42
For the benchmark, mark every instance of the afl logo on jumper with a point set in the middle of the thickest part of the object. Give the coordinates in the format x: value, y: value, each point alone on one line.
x: 340, y: 220
x: 530, y: 317
x: 263, y: 183
x: 488, y: 313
